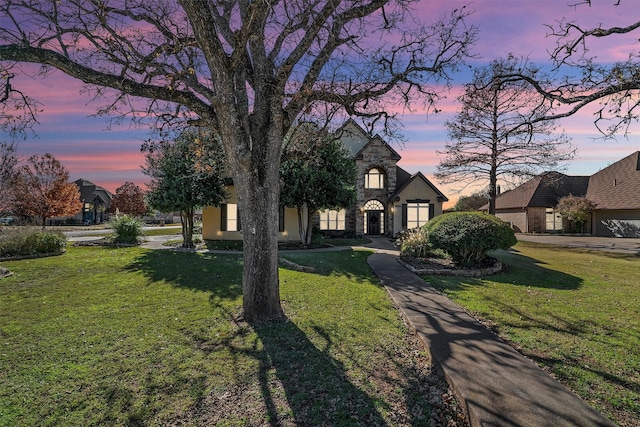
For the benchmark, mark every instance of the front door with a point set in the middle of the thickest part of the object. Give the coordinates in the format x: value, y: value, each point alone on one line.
x: 373, y: 222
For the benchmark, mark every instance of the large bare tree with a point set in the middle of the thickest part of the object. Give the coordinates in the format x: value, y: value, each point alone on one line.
x: 496, y: 133
x: 247, y: 70
x: 586, y: 81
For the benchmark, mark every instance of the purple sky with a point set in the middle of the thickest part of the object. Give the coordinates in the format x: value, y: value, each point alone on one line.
x: 111, y: 157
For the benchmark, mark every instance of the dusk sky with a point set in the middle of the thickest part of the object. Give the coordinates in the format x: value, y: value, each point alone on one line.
x: 111, y: 157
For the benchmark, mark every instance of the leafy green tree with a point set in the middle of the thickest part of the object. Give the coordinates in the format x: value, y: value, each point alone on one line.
x: 577, y: 210
x: 42, y: 189
x: 187, y: 173
x: 129, y: 200
x: 317, y: 173
x: 471, y: 203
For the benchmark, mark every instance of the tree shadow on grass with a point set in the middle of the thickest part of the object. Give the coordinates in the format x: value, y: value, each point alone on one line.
x: 348, y: 263
x: 518, y: 270
x: 315, y: 384
x: 221, y: 275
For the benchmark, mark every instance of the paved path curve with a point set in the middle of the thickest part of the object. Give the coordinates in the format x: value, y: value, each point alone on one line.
x: 496, y: 384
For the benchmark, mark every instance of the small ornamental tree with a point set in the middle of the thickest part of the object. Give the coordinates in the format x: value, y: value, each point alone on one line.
x: 129, y: 199
x: 468, y: 236
x: 41, y: 189
x: 576, y: 210
x: 186, y: 174
x: 316, y: 173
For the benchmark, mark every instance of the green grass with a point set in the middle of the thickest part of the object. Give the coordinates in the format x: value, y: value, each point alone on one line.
x: 128, y: 336
x: 574, y: 312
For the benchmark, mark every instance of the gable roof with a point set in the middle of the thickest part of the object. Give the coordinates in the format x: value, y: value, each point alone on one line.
x: 543, y: 190
x: 404, y: 179
x: 393, y: 154
x: 617, y: 186
x: 352, y: 136
x: 89, y: 192
x: 355, y: 139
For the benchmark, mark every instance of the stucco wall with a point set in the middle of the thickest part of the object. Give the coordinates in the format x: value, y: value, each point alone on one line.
x: 417, y: 189
x: 211, y: 217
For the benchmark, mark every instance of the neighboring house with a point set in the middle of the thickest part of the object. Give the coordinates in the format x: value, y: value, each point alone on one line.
x: 95, y: 202
x: 530, y: 208
x: 389, y: 199
x: 616, y: 192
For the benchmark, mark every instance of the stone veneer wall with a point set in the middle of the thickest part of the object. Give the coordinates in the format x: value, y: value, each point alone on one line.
x: 376, y: 155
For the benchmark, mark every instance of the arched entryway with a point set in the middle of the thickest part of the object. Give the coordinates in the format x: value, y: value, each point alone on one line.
x: 374, y: 218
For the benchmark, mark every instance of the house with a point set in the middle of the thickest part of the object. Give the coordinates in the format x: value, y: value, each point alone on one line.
x: 616, y: 192
x: 95, y: 202
x: 530, y: 208
x: 389, y: 199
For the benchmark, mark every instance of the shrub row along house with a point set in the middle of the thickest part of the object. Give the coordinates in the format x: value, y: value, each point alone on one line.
x: 389, y: 199
x: 615, y: 190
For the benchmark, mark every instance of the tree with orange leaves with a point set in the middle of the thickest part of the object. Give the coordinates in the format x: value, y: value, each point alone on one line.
x: 42, y: 189
x: 129, y: 199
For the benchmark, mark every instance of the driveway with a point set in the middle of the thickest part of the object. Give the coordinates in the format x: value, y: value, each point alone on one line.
x: 608, y: 244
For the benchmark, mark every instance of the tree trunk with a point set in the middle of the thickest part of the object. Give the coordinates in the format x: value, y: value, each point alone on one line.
x: 186, y: 220
x: 309, y: 234
x: 303, y: 227
x: 259, y: 216
x: 256, y: 176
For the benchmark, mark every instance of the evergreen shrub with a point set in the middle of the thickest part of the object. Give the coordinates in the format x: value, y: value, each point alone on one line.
x: 127, y: 229
x: 468, y: 236
x: 24, y: 241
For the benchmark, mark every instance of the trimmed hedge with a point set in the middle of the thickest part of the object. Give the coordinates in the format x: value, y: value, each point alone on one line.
x: 21, y: 241
x: 468, y: 236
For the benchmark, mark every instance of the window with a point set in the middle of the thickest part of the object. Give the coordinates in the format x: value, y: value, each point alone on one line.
x: 374, y: 179
x: 416, y: 213
x: 554, y: 220
x: 229, y: 218
x: 332, y: 219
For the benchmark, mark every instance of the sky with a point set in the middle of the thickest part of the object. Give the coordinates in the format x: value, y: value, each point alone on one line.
x: 110, y: 155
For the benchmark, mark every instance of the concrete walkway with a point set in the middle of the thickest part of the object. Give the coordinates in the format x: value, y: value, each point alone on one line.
x: 496, y: 384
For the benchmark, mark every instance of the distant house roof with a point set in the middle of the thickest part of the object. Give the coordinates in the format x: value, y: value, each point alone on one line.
x: 617, y: 186
x: 543, y: 190
x: 91, y: 193
x: 404, y: 179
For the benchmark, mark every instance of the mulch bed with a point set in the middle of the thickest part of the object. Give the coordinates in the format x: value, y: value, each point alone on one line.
x: 446, y: 267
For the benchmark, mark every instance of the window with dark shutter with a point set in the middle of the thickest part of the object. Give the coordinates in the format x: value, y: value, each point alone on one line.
x: 223, y: 217
x: 404, y: 215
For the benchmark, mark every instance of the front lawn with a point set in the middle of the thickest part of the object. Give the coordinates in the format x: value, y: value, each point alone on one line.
x: 576, y: 313
x: 129, y: 336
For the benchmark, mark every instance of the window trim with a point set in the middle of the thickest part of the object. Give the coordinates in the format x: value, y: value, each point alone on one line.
x: 380, y: 178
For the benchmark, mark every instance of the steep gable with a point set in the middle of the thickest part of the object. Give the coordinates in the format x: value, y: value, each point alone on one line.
x: 353, y: 137
x: 618, y: 185
x: 405, y: 180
